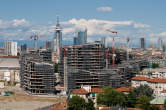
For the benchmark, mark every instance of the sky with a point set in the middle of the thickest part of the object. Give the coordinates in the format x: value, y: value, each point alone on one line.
x: 130, y: 18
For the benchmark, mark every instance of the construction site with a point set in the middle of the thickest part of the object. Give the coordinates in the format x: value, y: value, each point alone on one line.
x: 94, y: 65
x: 37, y: 74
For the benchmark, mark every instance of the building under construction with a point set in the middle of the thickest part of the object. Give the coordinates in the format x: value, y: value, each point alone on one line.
x: 37, y: 75
x: 91, y: 64
x: 89, y: 57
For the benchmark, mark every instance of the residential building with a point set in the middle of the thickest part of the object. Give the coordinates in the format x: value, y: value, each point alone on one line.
x: 10, y: 48
x: 9, y: 69
x: 157, y: 84
x: 154, y: 72
x: 80, y: 38
x: 156, y: 60
x: 87, y: 92
x: 125, y: 89
x: 158, y: 101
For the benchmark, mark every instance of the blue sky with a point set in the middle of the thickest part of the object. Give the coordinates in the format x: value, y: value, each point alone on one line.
x: 134, y: 18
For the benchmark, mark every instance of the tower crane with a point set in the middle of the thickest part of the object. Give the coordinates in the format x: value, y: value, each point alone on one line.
x: 35, y: 38
x: 113, y: 48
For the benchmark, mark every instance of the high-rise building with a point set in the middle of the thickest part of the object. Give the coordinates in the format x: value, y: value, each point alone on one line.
x: 142, y: 41
x: 10, y: 48
x: 104, y: 41
x: 57, y: 42
x: 48, y: 45
x: 160, y: 43
x: 23, y: 48
x: 80, y: 38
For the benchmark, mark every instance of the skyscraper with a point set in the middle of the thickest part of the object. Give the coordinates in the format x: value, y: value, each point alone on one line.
x: 104, y: 41
x: 48, y: 45
x: 160, y: 43
x: 80, y: 38
x: 23, y: 48
x: 57, y: 42
x: 10, y: 48
x: 142, y: 41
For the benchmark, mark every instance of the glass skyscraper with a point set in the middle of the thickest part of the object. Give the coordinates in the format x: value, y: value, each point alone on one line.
x: 80, y: 38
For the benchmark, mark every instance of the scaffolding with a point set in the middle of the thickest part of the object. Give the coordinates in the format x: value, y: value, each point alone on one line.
x: 37, y: 76
x: 91, y: 64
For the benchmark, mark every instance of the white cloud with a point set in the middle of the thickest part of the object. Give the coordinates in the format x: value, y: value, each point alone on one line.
x: 141, y: 26
x: 21, y: 22
x: 163, y: 34
x: 22, y: 29
x: 98, y: 27
x: 105, y: 9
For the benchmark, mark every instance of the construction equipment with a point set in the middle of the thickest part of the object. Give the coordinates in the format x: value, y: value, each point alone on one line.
x: 35, y: 38
x: 113, y: 47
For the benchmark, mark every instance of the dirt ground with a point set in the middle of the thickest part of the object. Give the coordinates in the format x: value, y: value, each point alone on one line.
x: 22, y: 101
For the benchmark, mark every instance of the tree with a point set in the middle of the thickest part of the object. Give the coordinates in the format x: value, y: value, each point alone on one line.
x: 78, y: 103
x: 154, y: 107
x: 143, y: 102
x: 164, y: 106
x: 131, y: 99
x: 155, y: 65
x: 111, y: 97
x: 90, y: 105
x: 144, y: 90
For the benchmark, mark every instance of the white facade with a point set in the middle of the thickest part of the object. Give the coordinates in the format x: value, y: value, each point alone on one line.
x: 160, y: 61
x: 10, y: 48
x: 154, y: 73
x: 157, y: 84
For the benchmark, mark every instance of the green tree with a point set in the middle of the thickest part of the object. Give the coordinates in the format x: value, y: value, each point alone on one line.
x: 90, y: 105
x: 144, y: 90
x: 78, y: 103
x: 143, y: 102
x: 111, y: 97
x: 164, y: 106
x: 155, y: 65
x: 154, y: 107
x: 131, y: 99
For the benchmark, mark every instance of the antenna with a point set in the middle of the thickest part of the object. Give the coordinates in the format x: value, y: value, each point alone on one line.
x: 57, y: 17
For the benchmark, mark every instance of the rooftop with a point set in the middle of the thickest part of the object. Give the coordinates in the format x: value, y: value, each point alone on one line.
x: 80, y: 91
x: 9, y: 62
x: 97, y: 90
x: 152, y: 80
x: 125, y: 88
x: 158, y: 100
